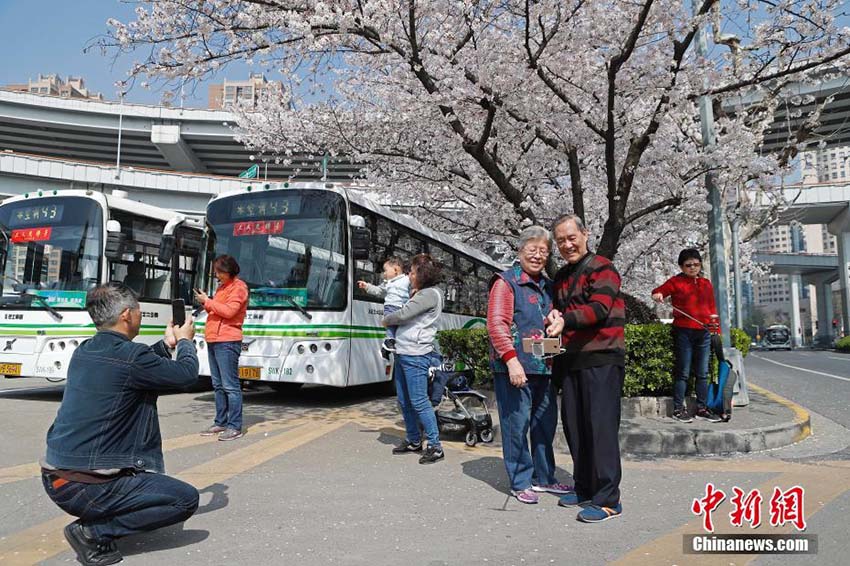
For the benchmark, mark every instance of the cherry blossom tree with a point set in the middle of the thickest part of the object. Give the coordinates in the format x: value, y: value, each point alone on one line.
x: 489, y: 116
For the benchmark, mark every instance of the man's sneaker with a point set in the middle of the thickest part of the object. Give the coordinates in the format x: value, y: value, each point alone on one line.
x: 556, y: 488
x: 230, y: 434
x: 407, y: 447
x: 596, y: 514
x: 89, y: 551
x: 706, y: 415
x: 682, y: 416
x: 432, y: 454
x: 213, y: 430
x: 389, y: 345
x: 572, y: 499
x: 525, y: 495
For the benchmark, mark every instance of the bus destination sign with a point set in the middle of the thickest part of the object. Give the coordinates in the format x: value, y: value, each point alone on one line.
x: 34, y: 215
x: 260, y: 228
x: 24, y: 235
x: 266, y: 207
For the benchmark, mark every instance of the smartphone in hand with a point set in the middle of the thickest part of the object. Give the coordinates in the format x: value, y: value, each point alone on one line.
x: 178, y: 312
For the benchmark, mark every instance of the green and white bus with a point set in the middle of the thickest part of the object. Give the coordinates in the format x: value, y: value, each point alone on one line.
x: 55, y: 245
x: 301, y: 247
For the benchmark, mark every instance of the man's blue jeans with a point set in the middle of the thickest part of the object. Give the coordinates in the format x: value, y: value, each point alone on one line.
x: 224, y: 368
x: 127, y: 505
x: 691, y: 348
x: 535, y: 408
x: 411, y: 385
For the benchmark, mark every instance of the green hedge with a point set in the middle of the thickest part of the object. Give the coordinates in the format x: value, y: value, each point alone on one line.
x: 470, y: 347
x: 649, y: 355
x: 843, y: 344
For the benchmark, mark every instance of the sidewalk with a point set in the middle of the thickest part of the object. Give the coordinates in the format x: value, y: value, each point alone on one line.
x: 769, y: 421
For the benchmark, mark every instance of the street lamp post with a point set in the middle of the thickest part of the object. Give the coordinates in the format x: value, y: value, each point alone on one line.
x: 120, y: 127
x: 717, y: 249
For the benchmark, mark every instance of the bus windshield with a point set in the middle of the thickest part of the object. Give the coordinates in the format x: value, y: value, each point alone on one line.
x: 52, y: 248
x: 290, y: 246
x: 778, y: 335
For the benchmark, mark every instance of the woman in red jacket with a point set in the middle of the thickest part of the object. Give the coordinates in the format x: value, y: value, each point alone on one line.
x: 693, y: 294
x: 223, y: 333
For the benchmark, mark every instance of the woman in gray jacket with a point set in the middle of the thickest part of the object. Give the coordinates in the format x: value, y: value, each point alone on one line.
x: 414, y: 344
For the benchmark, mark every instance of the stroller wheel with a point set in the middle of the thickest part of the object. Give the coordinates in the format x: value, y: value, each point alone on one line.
x: 471, y: 438
x: 486, y: 435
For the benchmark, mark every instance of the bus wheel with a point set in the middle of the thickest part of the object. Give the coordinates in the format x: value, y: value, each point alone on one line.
x: 284, y: 386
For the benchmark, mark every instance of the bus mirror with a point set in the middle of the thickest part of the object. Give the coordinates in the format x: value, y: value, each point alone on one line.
x: 113, y: 226
x: 166, y: 249
x: 361, y: 240
x: 114, y: 245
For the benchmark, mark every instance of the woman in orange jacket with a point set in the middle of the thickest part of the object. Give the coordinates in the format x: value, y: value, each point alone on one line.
x: 223, y: 333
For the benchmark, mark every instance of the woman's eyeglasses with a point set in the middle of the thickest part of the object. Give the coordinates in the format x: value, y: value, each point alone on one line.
x: 692, y: 264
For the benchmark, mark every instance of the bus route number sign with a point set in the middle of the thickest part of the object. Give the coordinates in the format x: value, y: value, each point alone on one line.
x: 27, y: 216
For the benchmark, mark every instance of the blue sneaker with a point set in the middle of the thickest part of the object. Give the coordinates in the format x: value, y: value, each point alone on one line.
x: 572, y: 500
x: 596, y: 514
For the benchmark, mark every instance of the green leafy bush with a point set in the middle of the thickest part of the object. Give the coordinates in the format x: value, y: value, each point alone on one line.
x: 470, y: 347
x: 649, y: 355
x: 741, y: 341
x: 843, y: 344
x: 649, y: 360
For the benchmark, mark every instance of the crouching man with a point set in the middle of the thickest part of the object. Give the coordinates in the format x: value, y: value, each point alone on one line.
x: 104, y: 451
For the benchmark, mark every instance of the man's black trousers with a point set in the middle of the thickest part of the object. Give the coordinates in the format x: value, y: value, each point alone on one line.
x: 590, y: 412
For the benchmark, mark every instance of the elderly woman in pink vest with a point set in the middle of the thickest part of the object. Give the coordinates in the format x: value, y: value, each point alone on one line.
x: 520, y: 301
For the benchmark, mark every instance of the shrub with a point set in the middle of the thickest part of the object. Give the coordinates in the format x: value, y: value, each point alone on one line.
x: 741, y: 341
x: 468, y: 346
x: 649, y: 355
x: 843, y: 344
x: 649, y: 360
x: 638, y: 312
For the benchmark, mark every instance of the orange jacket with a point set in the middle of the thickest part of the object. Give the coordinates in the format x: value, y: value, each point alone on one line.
x: 226, y: 312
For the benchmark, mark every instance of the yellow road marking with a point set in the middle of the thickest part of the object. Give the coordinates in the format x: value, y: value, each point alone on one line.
x: 821, y: 485
x: 801, y: 415
x: 17, y: 473
x: 33, y: 470
x: 44, y: 540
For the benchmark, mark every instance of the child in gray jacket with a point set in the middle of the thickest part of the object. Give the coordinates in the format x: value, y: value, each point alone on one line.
x: 395, y: 290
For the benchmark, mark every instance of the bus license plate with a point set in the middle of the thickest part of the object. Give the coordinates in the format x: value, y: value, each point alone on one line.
x: 249, y: 372
x: 10, y: 369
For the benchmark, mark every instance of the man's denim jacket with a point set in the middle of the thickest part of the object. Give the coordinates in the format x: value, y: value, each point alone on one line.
x: 108, y: 417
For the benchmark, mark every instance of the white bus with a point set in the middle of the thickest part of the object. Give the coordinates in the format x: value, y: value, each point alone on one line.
x: 301, y: 247
x: 55, y: 245
x: 777, y: 337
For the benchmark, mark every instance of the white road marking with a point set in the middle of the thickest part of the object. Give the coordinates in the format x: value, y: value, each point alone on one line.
x: 804, y: 369
x: 843, y: 359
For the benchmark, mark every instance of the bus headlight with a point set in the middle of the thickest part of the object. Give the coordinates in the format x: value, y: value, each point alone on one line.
x: 300, y: 348
x: 62, y: 345
x: 328, y: 346
x: 74, y: 343
x: 308, y: 368
x: 313, y: 348
x: 52, y: 346
x: 58, y: 365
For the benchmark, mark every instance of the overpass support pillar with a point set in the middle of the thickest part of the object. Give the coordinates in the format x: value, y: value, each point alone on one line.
x: 844, y: 277
x: 796, y: 325
x: 823, y: 295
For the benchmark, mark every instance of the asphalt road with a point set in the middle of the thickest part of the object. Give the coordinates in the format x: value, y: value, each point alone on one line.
x: 817, y: 380
x: 313, y: 483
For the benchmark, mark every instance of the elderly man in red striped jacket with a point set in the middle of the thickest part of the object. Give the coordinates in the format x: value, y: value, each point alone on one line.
x: 587, y: 292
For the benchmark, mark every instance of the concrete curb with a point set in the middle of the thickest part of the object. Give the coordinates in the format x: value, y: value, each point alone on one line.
x: 683, y: 441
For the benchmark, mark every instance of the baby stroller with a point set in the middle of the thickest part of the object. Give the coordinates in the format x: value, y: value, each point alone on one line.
x: 459, y: 409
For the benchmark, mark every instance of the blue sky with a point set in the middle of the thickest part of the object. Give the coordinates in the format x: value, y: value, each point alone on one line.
x: 48, y: 36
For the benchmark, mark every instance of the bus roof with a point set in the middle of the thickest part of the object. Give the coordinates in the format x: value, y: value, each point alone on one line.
x: 351, y: 192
